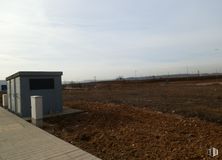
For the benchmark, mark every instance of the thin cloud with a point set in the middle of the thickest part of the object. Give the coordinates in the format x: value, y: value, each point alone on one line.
x: 106, y: 39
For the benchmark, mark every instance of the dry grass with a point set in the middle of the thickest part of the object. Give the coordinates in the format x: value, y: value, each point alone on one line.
x: 185, y: 98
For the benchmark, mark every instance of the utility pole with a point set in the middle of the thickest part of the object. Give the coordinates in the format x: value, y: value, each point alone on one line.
x: 198, y: 73
x: 94, y: 81
x: 187, y: 73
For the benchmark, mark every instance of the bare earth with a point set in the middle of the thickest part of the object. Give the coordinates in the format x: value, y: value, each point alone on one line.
x: 162, y: 120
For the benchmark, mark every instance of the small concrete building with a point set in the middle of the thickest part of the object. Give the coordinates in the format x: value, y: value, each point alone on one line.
x: 22, y: 85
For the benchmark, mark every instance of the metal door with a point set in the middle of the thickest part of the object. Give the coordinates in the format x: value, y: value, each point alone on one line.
x: 17, y: 96
x: 9, y: 94
x: 13, y: 96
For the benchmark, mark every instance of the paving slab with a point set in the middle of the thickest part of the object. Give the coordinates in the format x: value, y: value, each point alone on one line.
x: 20, y: 140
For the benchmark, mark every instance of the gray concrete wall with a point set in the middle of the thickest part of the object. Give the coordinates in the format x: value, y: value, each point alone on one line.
x: 52, y: 98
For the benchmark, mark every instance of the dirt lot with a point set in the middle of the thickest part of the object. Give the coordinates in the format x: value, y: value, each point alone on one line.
x: 144, y: 120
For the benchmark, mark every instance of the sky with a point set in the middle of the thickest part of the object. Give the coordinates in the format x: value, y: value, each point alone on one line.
x: 110, y: 38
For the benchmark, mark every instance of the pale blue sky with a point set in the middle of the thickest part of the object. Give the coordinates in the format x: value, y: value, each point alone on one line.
x: 87, y: 38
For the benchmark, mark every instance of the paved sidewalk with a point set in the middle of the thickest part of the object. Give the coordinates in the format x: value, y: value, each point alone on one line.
x: 20, y: 140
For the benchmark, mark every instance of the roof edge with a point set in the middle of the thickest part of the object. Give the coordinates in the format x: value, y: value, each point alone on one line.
x: 34, y: 73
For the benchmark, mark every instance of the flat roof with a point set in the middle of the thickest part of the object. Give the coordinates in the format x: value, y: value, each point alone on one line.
x: 34, y: 73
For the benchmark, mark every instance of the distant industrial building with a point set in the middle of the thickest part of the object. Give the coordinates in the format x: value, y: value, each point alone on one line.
x: 23, y: 85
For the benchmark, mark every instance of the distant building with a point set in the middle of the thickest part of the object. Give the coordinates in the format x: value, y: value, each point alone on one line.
x: 3, y: 85
x: 23, y: 85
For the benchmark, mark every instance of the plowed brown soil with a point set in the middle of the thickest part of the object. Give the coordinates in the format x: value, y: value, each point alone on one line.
x: 138, y: 129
